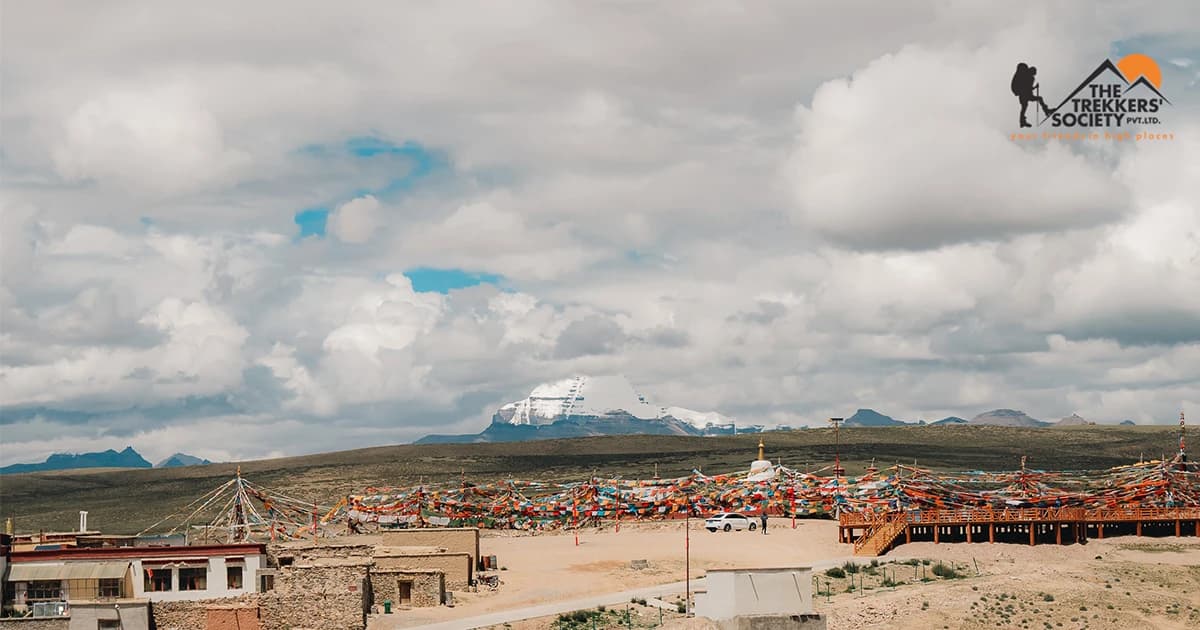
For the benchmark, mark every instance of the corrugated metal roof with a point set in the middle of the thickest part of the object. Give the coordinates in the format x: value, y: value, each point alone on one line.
x: 22, y: 572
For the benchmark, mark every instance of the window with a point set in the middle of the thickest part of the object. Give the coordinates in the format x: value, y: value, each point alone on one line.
x: 108, y: 624
x: 43, y: 590
x: 233, y: 577
x: 266, y: 583
x: 193, y: 579
x: 110, y: 587
x: 157, y: 580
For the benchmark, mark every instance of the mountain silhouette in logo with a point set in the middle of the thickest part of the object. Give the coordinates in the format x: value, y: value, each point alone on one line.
x: 1106, y: 66
x: 1142, y: 81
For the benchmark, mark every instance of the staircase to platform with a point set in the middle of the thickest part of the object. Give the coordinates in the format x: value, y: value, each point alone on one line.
x: 880, y: 536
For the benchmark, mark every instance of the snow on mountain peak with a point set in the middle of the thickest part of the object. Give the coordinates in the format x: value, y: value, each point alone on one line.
x: 593, y: 396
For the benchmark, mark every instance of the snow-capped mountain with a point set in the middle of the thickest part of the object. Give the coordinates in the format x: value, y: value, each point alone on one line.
x: 701, y: 419
x: 597, y: 397
x: 593, y: 405
x: 578, y: 397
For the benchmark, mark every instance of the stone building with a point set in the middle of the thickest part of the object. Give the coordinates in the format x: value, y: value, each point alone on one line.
x: 408, y: 588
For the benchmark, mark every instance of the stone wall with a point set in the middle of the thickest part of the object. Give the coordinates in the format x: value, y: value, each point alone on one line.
x: 456, y: 567
x: 428, y: 587
x: 307, y: 553
x: 56, y: 623
x: 306, y: 597
x: 320, y: 596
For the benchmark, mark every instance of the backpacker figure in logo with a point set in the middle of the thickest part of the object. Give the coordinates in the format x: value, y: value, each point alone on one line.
x: 1024, y: 87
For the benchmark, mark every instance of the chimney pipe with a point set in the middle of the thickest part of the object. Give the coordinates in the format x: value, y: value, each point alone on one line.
x: 82, y: 521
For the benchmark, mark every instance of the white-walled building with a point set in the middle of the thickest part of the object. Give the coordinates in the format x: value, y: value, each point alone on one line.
x: 142, y: 573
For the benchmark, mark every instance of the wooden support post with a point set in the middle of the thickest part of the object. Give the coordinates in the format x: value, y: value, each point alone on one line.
x: 1100, y: 531
x: 1031, y: 534
x: 1198, y: 527
x: 936, y: 531
x: 968, y: 532
x: 908, y: 533
x: 991, y: 532
x: 1058, y: 533
x: 1139, y: 528
x: 1177, y: 528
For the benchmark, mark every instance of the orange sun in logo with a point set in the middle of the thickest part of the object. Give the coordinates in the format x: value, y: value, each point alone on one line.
x: 1137, y: 65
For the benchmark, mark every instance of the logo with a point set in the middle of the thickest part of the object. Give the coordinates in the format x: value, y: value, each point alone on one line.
x: 1114, y: 95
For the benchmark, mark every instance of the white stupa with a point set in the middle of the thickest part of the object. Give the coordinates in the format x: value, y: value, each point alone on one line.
x: 761, y: 469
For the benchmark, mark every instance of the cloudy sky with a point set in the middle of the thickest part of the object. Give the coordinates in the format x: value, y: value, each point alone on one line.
x: 274, y: 229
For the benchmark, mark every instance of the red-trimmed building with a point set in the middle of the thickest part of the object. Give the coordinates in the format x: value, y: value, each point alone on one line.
x: 142, y: 573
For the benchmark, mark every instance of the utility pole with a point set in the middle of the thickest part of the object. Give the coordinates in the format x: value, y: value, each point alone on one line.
x: 687, y: 557
x: 837, y: 453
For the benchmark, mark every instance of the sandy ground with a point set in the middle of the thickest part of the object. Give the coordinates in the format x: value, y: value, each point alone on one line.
x: 1116, y: 583
x: 550, y: 567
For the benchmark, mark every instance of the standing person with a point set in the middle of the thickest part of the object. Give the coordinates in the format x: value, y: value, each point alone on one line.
x: 1024, y: 86
x: 763, y: 518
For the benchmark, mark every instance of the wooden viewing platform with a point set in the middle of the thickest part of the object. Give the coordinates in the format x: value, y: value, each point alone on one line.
x: 875, y: 534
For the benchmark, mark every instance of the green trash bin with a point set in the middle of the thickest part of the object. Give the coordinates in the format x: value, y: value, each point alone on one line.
x: 387, y: 606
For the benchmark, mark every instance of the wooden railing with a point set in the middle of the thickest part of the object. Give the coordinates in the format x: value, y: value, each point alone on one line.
x: 880, y: 534
x: 1018, y: 515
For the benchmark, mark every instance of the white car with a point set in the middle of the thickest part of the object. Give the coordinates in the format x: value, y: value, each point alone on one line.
x: 728, y: 521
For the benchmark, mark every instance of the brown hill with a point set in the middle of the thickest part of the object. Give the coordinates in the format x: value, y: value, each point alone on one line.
x: 127, y: 501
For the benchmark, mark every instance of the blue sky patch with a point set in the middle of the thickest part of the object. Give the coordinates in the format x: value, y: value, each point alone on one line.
x: 426, y: 279
x: 312, y: 221
x: 413, y: 160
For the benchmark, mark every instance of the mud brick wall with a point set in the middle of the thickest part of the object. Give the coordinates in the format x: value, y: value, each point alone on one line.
x: 190, y: 615
x: 452, y: 539
x: 456, y: 567
x: 233, y: 619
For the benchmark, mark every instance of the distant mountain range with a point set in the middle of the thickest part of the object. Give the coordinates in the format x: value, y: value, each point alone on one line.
x: 608, y: 405
x: 871, y: 418
x: 1072, y: 420
x: 1007, y: 418
x: 181, y: 459
x: 127, y: 458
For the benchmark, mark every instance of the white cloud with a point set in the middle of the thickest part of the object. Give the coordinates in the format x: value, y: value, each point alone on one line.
x: 355, y: 221
x: 913, y: 151
x: 744, y: 210
x: 481, y: 236
x: 160, y: 139
x: 201, y: 354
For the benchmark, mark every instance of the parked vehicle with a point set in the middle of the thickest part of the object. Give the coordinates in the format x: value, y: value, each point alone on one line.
x: 727, y: 521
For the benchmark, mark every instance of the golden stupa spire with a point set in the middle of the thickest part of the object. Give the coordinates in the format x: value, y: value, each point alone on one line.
x: 760, y: 449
